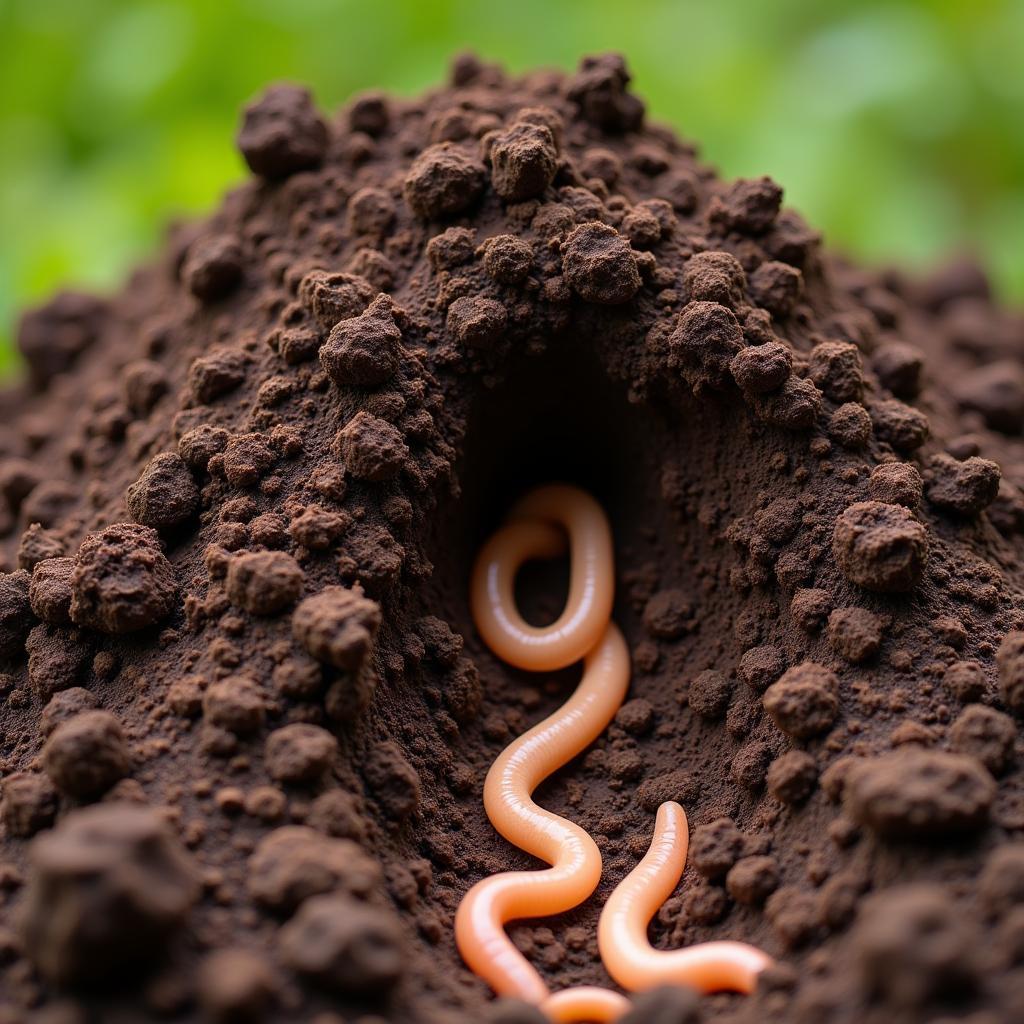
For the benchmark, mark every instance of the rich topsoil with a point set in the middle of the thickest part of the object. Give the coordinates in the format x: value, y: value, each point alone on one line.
x: 244, y: 716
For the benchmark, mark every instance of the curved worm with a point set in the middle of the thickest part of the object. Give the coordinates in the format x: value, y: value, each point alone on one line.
x: 591, y: 586
x: 622, y: 929
x: 574, y: 857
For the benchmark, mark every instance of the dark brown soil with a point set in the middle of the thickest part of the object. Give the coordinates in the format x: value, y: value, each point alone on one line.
x: 244, y: 717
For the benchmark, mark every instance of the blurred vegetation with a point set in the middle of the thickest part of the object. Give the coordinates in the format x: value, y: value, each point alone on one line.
x: 895, y: 126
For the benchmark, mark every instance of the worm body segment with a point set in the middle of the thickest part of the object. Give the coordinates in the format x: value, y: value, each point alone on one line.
x: 585, y: 1003
x: 532, y: 533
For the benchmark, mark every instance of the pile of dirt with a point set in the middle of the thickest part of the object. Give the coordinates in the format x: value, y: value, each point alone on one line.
x: 244, y: 717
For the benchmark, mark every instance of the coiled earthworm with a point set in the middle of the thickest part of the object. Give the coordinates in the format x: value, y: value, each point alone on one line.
x: 622, y: 929
x: 574, y: 857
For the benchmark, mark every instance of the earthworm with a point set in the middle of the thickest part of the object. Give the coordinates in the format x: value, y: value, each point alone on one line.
x: 573, y: 855
x: 622, y: 929
x: 583, y: 630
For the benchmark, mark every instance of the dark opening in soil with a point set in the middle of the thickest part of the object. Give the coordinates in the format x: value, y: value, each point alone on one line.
x: 556, y: 417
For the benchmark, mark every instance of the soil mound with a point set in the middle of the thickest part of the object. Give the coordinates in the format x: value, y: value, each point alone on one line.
x: 244, y: 717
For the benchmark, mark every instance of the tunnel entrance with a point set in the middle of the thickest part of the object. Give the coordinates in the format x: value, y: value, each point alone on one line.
x: 557, y: 416
x: 667, y: 473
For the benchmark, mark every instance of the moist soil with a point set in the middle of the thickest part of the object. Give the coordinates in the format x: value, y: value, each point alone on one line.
x: 244, y: 715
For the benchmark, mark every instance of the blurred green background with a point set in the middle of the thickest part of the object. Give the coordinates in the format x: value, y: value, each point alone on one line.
x: 897, y: 127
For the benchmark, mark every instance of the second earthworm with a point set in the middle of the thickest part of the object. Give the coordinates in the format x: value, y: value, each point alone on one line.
x: 622, y: 929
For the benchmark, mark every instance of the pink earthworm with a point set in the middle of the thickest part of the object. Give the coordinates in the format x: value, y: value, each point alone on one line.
x: 573, y: 855
x: 537, y: 528
x: 622, y: 929
x: 591, y: 587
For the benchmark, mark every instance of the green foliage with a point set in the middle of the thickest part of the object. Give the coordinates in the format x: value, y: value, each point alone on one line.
x: 895, y: 126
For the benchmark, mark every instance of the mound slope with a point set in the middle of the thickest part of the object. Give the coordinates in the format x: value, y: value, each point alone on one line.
x: 244, y: 718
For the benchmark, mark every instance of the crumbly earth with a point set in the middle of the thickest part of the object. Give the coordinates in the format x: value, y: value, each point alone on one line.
x: 244, y: 716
